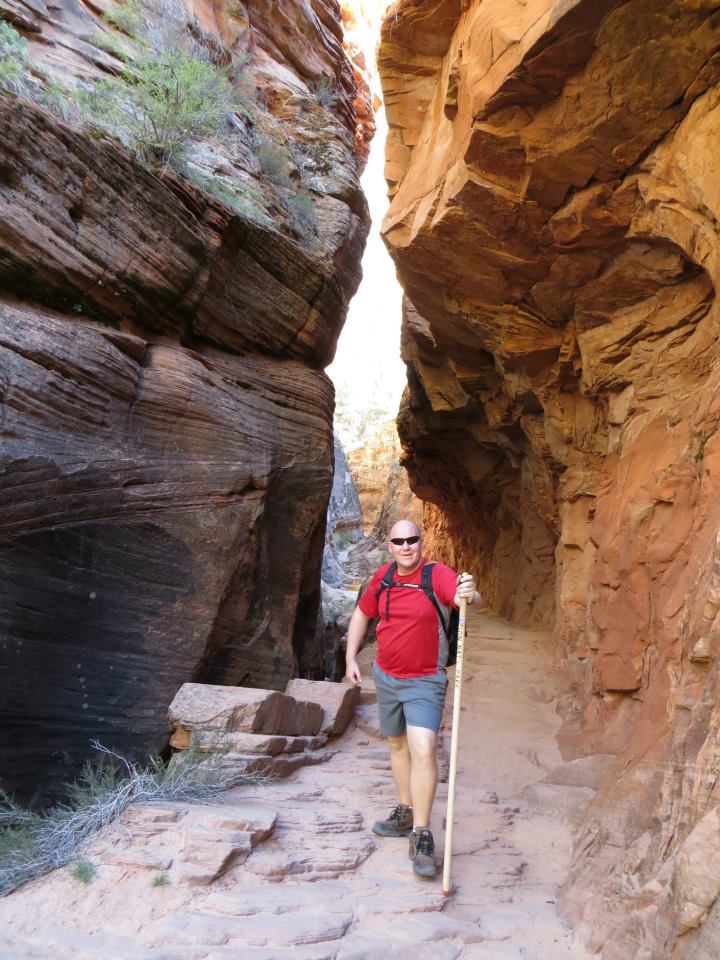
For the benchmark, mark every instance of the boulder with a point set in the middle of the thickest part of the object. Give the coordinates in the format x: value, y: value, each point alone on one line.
x: 227, y: 710
x: 337, y: 700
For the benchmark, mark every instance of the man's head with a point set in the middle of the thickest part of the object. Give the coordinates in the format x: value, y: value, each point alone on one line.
x: 405, y: 545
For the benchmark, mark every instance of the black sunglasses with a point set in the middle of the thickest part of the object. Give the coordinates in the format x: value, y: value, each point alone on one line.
x: 399, y: 541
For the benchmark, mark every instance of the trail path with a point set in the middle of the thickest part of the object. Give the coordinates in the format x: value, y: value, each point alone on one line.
x: 322, y: 887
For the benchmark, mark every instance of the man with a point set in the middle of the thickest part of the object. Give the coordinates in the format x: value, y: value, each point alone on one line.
x: 410, y: 680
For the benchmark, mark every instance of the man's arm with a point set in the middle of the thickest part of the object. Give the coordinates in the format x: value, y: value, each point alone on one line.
x: 466, y: 588
x: 355, y: 635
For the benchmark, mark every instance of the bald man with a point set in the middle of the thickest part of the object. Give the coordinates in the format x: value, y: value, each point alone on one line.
x: 410, y: 679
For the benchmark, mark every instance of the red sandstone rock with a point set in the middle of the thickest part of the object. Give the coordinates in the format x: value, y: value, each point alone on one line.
x: 554, y: 185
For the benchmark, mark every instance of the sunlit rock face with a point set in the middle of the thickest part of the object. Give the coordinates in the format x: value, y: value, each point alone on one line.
x: 381, y: 482
x: 167, y: 446
x: 554, y: 179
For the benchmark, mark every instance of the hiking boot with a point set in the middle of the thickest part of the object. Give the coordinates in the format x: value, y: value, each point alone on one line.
x: 398, y: 824
x: 422, y: 853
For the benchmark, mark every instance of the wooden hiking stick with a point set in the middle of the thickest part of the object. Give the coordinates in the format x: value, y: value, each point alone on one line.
x: 454, y: 748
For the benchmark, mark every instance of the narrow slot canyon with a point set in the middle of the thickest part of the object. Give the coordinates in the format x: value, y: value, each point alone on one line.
x: 194, y: 493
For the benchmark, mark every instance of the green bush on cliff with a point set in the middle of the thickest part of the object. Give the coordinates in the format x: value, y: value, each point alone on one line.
x: 275, y: 163
x: 128, y: 18
x: 161, y: 103
x: 300, y: 211
x: 34, y: 843
x: 325, y: 92
x: 14, y: 60
x: 110, y: 43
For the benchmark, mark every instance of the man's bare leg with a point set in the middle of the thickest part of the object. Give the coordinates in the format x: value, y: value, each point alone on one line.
x: 400, y: 766
x: 422, y: 747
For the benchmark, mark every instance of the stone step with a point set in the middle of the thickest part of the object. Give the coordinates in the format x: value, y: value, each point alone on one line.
x: 360, y: 946
x: 285, y: 930
x: 271, y: 898
x: 279, y: 766
x: 321, y: 860
x: 246, y: 743
x: 194, y: 843
x: 323, y: 951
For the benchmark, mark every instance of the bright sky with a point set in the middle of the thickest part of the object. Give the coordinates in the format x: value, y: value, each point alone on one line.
x: 367, y: 366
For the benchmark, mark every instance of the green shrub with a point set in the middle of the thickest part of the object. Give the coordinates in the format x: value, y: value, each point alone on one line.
x: 162, y: 103
x: 109, y: 42
x: 128, y: 18
x: 34, y: 843
x: 325, y: 92
x: 160, y: 880
x: 301, y: 212
x: 83, y: 871
x: 242, y: 197
x: 14, y: 60
x: 244, y: 204
x: 275, y: 163
x: 60, y: 101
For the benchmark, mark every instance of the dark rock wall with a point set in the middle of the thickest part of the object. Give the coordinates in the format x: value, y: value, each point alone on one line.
x: 166, y: 449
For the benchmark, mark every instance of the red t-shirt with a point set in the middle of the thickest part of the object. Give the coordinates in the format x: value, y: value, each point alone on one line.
x: 409, y: 642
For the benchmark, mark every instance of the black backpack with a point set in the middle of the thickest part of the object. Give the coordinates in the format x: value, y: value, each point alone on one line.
x: 450, y: 629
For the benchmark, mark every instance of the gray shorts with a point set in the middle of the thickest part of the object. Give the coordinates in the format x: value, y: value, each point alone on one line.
x: 414, y: 702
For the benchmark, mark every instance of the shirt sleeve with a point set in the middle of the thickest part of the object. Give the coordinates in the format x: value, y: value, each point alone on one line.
x: 444, y: 583
x: 368, y: 602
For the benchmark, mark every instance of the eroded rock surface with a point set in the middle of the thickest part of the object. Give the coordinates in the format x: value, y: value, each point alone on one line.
x: 554, y: 200
x: 166, y: 452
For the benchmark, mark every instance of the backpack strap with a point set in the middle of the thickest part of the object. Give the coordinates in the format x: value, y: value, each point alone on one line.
x: 385, y: 584
x: 426, y: 586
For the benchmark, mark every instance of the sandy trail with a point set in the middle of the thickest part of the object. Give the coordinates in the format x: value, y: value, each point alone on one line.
x: 323, y: 887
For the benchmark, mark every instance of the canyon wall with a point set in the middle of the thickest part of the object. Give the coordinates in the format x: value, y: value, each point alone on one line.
x: 553, y: 171
x: 382, y: 483
x: 167, y: 446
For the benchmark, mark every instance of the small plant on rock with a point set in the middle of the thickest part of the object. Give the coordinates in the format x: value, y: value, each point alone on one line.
x: 127, y: 17
x: 110, y: 43
x: 275, y: 163
x: 160, y: 880
x: 14, y: 60
x: 34, y: 843
x: 301, y: 212
x: 60, y: 101
x: 244, y: 198
x: 83, y: 871
x: 325, y: 92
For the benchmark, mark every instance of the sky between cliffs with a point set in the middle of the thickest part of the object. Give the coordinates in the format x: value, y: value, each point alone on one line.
x: 368, y: 374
